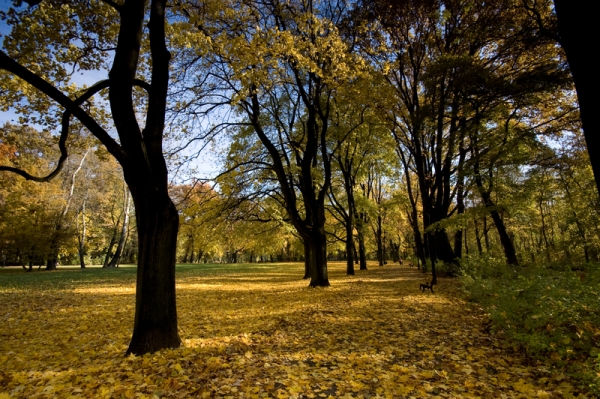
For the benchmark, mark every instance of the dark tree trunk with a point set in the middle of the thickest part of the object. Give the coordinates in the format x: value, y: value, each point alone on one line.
x: 113, y: 240
x: 458, y: 243
x: 485, y: 234
x: 155, y: 325
x: 52, y: 261
x: 306, y: 260
x: 317, y: 258
x: 478, y: 238
x: 577, y: 29
x: 379, y: 240
x: 507, y: 244
x: 442, y: 246
x: 350, y: 248
x: 466, y: 241
x: 432, y: 251
x: 394, y: 251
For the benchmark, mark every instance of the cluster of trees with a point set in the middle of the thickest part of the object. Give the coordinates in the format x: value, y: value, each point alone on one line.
x: 429, y: 122
x: 79, y: 217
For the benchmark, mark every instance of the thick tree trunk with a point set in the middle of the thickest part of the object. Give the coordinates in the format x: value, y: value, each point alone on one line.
x: 577, y: 29
x: 317, y: 258
x: 155, y: 325
x: 443, y: 248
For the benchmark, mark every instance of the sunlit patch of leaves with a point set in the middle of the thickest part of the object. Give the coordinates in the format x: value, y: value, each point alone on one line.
x: 257, y: 331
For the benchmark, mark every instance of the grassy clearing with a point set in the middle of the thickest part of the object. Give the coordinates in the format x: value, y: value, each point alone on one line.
x: 256, y: 331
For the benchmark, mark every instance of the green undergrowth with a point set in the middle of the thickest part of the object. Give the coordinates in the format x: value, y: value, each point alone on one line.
x: 551, y: 312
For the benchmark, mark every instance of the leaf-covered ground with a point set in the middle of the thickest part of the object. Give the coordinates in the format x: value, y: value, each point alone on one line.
x: 253, y: 331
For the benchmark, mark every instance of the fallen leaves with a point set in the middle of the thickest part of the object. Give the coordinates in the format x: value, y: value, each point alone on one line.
x: 257, y: 331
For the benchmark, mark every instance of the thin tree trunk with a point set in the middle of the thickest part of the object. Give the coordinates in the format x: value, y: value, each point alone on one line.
x: 350, y: 247
x: 112, y: 243
x: 81, y: 237
x: 478, y: 237
x: 485, y: 234
x: 117, y: 256
x: 53, y: 258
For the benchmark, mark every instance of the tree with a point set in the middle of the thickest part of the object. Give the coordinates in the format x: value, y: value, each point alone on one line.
x: 100, y: 26
x: 281, y: 72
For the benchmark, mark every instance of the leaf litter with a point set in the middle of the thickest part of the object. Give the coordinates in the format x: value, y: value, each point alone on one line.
x: 258, y: 331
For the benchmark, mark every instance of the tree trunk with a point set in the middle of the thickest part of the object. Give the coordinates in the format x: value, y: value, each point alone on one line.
x: 507, y: 244
x: 81, y: 238
x: 478, y: 237
x: 306, y: 260
x: 117, y: 256
x: 485, y: 234
x: 113, y: 240
x: 577, y: 27
x: 379, y: 240
x: 350, y: 245
x: 443, y: 248
x: 155, y: 325
x: 316, y: 261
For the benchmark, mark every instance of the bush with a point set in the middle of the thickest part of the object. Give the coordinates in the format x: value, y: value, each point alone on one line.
x: 550, y: 312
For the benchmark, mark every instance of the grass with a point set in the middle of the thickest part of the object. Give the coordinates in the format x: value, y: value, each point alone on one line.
x: 257, y: 330
x: 550, y: 311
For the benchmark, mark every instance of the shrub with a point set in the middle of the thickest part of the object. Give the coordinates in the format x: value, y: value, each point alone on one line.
x: 550, y: 312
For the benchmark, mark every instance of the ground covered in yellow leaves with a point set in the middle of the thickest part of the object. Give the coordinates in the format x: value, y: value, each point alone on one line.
x: 254, y: 331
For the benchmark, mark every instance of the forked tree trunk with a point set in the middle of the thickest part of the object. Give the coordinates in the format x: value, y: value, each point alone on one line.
x: 113, y: 240
x: 155, y: 325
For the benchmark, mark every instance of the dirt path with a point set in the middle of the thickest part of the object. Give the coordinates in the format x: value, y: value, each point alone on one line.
x: 260, y: 332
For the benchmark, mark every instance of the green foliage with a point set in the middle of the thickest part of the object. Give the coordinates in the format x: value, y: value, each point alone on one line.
x: 550, y: 312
